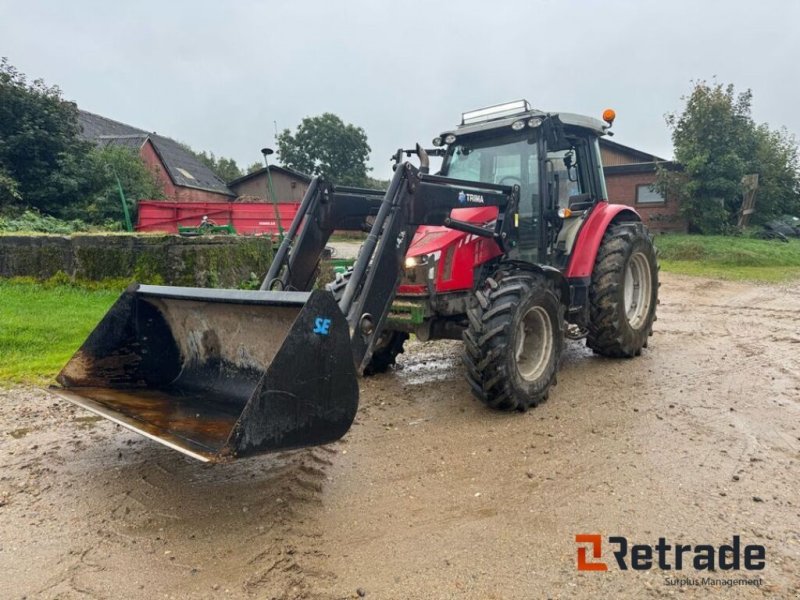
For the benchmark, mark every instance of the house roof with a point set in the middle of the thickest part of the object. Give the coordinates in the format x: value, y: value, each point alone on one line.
x: 639, y: 155
x: 275, y: 169
x: 134, y: 142
x: 642, y: 167
x: 182, y: 165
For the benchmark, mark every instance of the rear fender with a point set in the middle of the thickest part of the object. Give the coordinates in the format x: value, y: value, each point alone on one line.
x: 584, y: 252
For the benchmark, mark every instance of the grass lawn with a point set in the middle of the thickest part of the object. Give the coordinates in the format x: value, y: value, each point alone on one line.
x: 41, y: 326
x: 734, y: 258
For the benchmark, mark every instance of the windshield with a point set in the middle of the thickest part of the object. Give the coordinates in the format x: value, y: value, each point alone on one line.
x: 492, y: 161
x: 504, y: 161
x: 512, y: 161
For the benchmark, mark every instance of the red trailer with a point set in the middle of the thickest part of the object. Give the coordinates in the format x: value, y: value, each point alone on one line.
x: 247, y: 218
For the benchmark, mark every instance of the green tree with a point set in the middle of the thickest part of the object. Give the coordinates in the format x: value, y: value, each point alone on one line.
x: 9, y: 189
x: 224, y: 168
x: 46, y: 166
x: 716, y: 143
x: 41, y: 154
x: 256, y: 166
x: 778, y: 168
x: 325, y: 145
x: 102, y: 203
x: 376, y: 184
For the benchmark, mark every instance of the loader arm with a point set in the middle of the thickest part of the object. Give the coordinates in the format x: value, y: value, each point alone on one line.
x: 413, y: 198
x: 321, y: 212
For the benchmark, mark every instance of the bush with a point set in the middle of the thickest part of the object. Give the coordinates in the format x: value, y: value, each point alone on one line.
x: 34, y: 222
x: 103, y: 204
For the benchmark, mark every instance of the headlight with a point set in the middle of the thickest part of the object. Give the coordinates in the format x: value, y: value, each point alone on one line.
x: 534, y: 122
x: 450, y: 139
x: 517, y: 125
x: 416, y: 261
x: 420, y: 268
x: 437, y: 141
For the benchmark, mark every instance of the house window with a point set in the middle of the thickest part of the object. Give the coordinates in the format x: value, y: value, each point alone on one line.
x: 646, y: 194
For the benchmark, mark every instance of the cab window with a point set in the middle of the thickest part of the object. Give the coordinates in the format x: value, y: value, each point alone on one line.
x: 513, y: 162
x: 563, y: 181
x: 505, y: 161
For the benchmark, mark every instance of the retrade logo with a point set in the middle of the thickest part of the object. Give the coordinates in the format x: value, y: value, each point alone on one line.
x: 594, y: 540
x: 668, y: 556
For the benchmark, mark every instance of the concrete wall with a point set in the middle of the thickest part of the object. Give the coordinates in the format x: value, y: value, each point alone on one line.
x: 204, y: 261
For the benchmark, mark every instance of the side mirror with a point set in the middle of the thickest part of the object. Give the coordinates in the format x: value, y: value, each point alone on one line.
x: 580, y: 202
x: 569, y: 164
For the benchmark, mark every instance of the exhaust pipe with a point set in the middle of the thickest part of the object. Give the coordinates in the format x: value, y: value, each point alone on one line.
x: 424, y: 160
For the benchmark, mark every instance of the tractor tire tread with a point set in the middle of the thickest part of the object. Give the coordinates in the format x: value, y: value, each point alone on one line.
x: 486, y: 340
x: 606, y: 334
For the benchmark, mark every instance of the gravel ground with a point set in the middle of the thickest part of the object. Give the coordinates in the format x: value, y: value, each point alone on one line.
x: 430, y: 495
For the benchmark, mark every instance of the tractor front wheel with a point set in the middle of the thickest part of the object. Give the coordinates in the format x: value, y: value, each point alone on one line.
x: 624, y: 292
x: 514, y: 340
x: 388, y: 345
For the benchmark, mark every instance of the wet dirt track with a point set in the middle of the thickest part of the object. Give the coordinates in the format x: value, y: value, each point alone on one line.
x: 430, y: 495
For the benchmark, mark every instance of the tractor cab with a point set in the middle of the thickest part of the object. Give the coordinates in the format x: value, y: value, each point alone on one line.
x: 554, y: 159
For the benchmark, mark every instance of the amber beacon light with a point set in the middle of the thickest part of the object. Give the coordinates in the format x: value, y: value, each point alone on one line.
x: 609, y: 115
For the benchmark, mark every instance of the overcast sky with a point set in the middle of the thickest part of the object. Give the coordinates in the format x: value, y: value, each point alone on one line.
x: 217, y: 75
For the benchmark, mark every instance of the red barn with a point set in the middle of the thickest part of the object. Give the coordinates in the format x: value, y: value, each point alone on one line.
x: 184, y: 177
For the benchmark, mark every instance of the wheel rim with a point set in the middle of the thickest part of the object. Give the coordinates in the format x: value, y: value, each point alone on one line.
x: 637, y: 288
x: 534, y: 343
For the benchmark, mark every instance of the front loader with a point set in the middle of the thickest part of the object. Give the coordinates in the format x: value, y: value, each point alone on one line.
x: 510, y: 246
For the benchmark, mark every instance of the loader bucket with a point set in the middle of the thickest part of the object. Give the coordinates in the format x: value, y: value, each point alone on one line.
x: 219, y: 374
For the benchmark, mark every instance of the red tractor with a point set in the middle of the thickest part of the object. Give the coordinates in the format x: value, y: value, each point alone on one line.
x: 512, y: 247
x: 580, y: 267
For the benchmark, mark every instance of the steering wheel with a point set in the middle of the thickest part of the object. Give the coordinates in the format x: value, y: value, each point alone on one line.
x: 514, y: 180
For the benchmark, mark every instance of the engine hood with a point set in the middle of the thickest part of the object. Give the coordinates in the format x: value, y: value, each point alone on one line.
x: 430, y: 239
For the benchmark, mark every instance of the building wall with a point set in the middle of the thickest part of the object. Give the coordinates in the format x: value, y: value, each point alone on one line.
x: 171, y: 191
x: 612, y: 157
x: 659, y: 218
x: 287, y: 189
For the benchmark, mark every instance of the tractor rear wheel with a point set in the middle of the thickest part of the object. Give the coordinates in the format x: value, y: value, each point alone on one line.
x: 624, y: 292
x: 514, y: 340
